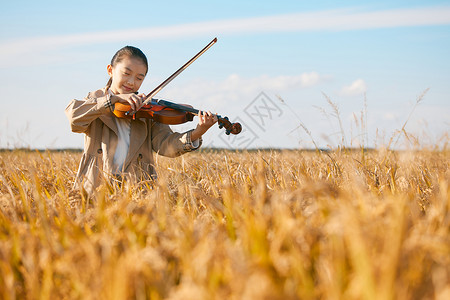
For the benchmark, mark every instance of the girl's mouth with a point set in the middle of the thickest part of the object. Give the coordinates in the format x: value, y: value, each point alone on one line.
x: 127, y: 89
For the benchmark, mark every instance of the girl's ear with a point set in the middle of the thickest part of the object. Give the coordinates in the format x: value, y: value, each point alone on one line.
x: 110, y: 70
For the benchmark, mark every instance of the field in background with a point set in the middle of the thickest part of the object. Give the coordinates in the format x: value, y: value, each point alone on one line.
x: 229, y: 225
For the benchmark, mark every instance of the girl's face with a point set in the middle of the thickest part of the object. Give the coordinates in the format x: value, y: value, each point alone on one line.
x: 127, y: 75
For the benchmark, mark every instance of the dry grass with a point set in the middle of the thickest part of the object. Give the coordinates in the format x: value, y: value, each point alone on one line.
x: 266, y: 225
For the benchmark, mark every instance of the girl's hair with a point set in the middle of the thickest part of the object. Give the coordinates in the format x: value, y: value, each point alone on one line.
x: 131, y: 52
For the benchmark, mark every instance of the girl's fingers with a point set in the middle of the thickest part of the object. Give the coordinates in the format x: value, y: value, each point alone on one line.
x: 201, y: 117
x: 131, y: 102
x: 135, y: 101
x: 207, y: 118
x: 212, y: 118
x: 138, y: 101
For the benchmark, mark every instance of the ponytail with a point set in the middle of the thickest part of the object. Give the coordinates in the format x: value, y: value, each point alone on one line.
x: 108, y: 85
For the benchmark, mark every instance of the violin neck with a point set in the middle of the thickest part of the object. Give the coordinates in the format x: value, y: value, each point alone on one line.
x: 177, y: 106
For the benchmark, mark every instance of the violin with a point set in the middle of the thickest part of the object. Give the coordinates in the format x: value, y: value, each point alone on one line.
x: 170, y: 113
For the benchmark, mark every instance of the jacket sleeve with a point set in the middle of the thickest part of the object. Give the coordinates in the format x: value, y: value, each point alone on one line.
x: 168, y: 143
x: 81, y: 113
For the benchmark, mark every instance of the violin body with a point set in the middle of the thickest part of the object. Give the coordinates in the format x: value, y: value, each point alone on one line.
x: 170, y: 113
x: 159, y: 113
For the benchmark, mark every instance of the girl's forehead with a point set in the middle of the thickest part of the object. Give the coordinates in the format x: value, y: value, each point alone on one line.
x: 132, y: 63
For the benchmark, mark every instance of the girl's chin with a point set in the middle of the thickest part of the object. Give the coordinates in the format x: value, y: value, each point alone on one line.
x: 122, y: 91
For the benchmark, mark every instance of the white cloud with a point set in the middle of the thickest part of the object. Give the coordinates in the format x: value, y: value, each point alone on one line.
x: 390, y: 116
x: 357, y: 87
x: 335, y: 20
x: 309, y: 79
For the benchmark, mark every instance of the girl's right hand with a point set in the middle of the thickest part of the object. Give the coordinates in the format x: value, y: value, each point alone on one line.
x: 135, y: 101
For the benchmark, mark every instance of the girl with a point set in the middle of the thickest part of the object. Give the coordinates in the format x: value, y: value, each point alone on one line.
x: 122, y: 148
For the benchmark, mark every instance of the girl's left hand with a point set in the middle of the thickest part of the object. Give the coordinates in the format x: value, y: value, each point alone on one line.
x: 205, y: 121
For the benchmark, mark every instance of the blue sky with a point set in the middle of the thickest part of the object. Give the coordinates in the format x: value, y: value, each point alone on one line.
x: 371, y: 59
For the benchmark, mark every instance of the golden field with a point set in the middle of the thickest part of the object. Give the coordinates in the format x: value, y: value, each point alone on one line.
x: 230, y: 225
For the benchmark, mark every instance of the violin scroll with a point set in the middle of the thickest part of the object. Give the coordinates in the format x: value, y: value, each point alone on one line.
x: 234, y: 128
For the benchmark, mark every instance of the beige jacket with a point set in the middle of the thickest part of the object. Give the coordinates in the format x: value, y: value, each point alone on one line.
x: 92, y: 117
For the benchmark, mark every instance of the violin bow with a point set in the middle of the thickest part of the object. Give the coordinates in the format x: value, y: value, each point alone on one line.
x: 148, y: 98
x: 234, y: 128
